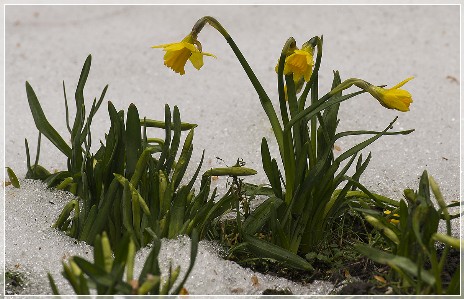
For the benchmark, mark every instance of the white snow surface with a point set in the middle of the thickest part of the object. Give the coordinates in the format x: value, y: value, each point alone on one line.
x: 45, y: 45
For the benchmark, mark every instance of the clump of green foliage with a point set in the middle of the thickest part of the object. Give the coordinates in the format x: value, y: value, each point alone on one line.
x: 411, y: 233
x: 133, y: 182
x: 312, y: 190
x: 111, y: 274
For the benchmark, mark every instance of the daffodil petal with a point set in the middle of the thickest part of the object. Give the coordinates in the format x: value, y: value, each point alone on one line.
x: 197, y: 60
x: 402, y: 83
x: 163, y: 45
x: 179, y: 46
x: 208, y: 54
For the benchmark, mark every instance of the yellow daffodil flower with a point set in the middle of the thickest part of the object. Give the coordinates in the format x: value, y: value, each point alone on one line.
x: 300, y: 63
x: 177, y: 54
x: 392, y: 220
x: 393, y: 98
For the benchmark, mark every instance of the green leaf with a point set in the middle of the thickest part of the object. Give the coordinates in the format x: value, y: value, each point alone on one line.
x: 88, y: 223
x: 103, y: 212
x: 151, y: 265
x: 140, y: 167
x: 263, y: 249
x: 387, y: 231
x: 122, y: 180
x: 71, y: 277
x: 130, y: 261
x: 176, y: 220
x: 270, y: 168
x: 95, y: 273
x: 184, y: 158
x: 280, y: 81
x: 52, y: 284
x: 400, y: 262
x: 136, y: 218
x: 197, y: 171
x: 93, y: 110
x: 54, y: 179
x: 330, y: 115
x: 107, y: 253
x: 165, y: 193
x: 127, y: 206
x: 424, y: 188
x: 114, y: 145
x: 230, y: 171
x: 13, y: 179
x: 42, y: 123
x: 167, y: 138
x: 120, y: 259
x: 133, y: 140
x: 454, y: 286
x: 260, y: 215
x: 150, y: 123
x: 175, y: 141
x: 82, y: 80
x: 225, y: 204
x: 279, y: 237
x: 314, y: 41
x: 64, y: 215
x: 149, y: 285
x: 193, y: 255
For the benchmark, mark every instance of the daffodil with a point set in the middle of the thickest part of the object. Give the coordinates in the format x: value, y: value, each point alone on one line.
x: 392, y: 98
x: 299, y: 63
x: 177, y: 54
x: 392, y: 220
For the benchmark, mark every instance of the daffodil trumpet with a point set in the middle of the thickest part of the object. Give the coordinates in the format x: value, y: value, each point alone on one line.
x: 298, y: 62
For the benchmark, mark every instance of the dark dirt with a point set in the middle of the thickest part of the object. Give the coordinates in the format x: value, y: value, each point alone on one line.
x: 451, y: 266
x: 14, y: 282
x: 360, y: 288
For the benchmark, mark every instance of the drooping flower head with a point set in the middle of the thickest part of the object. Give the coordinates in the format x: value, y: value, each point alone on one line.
x: 300, y: 63
x: 177, y: 54
x: 392, y: 98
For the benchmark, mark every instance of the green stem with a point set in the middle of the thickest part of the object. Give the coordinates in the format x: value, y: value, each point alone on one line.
x: 292, y: 145
x: 290, y: 43
x: 314, y: 97
x: 263, y: 97
x: 304, y: 95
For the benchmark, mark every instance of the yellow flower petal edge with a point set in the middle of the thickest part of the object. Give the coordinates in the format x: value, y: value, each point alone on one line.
x: 177, y: 54
x: 393, y: 98
x: 402, y: 83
